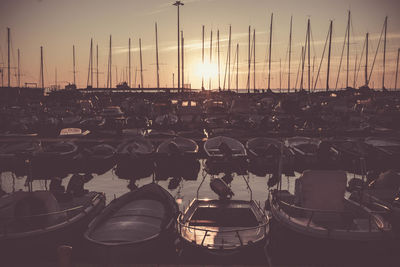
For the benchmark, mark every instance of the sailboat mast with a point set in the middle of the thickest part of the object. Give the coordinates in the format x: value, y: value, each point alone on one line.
x: 157, y: 63
x: 309, y: 56
x: 254, y: 60
x: 141, y: 63
x: 329, y: 56
x: 397, y: 69
x: 366, y: 59
x: 302, y: 66
x: 229, y: 58
x: 280, y: 75
x: 211, y: 37
x: 41, y: 67
x: 8, y: 57
x: 97, y: 66
x: 183, y: 60
x: 348, y: 49
x: 202, y: 58
x: 19, y: 72
x: 237, y: 68
x: 219, y: 67
x: 91, y: 62
x: 384, y: 55
x: 270, y: 49
x: 355, y: 70
x: 55, y: 78
x: 129, y: 59
x: 290, y: 51
x: 249, y: 61
x: 73, y: 63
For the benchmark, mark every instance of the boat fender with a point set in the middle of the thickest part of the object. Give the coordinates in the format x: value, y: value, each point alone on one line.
x: 221, y: 188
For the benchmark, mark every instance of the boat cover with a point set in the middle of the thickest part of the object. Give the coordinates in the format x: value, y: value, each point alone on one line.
x: 136, y: 221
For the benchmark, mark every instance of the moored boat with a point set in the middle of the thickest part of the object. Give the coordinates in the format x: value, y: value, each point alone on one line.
x: 137, y: 224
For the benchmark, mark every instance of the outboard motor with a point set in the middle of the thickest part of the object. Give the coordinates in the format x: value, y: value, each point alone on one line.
x: 225, y: 149
x: 75, y: 185
x: 221, y: 188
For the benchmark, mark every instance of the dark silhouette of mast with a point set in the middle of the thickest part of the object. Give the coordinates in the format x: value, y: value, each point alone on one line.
x: 157, y: 63
x: 202, y: 58
x: 309, y: 55
x: 19, y: 71
x: 73, y: 63
x: 178, y: 4
x: 129, y: 59
x: 141, y: 63
x: 290, y: 51
x: 183, y: 60
x: 329, y: 56
x: 254, y: 60
x: 249, y: 63
x: 97, y: 66
x: 109, y: 71
x: 366, y: 60
x: 397, y: 69
x: 355, y: 71
x: 348, y: 50
x: 270, y: 50
x: 229, y: 57
x: 303, y: 54
x: 219, y: 65
x: 211, y: 38
x: 41, y: 67
x: 237, y: 68
x: 384, y: 54
x: 8, y: 57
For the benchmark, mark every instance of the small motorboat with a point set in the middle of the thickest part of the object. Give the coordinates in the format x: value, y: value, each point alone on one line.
x: 55, y: 159
x: 137, y: 224
x: 305, y: 151
x: 37, y: 223
x: 388, y: 152
x: 98, y: 158
x: 13, y: 156
x: 134, y: 159
x: 225, y: 154
x: 333, y: 227
x: 382, y: 193
x: 71, y: 121
x: 222, y: 229
x: 353, y: 154
x: 175, y: 157
x: 265, y: 153
x: 166, y: 121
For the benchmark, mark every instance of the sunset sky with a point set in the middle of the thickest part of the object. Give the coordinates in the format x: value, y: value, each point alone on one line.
x: 57, y: 25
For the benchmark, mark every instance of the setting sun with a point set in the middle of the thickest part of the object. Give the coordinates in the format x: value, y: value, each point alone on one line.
x: 207, y: 70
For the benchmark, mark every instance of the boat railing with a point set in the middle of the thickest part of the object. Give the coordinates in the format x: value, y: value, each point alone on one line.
x: 5, y: 222
x: 372, y: 215
x: 184, y: 225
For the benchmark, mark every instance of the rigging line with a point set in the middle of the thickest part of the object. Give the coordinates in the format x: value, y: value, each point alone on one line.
x: 376, y: 53
x: 322, y: 59
x: 341, y: 58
